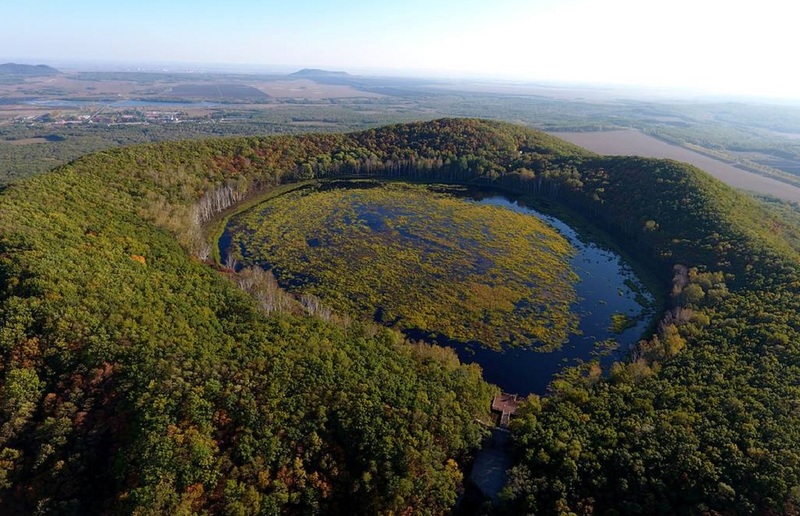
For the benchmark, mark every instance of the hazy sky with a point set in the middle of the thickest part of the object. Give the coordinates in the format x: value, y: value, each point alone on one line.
x: 730, y: 46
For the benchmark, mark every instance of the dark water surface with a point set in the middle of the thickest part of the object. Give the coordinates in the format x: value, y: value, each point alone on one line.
x: 606, y: 285
x: 604, y: 288
x: 120, y: 103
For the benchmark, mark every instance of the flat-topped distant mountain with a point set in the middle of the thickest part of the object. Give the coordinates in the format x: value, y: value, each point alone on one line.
x: 25, y: 69
x: 316, y: 72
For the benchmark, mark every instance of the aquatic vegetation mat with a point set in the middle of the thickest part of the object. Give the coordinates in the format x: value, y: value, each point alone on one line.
x: 417, y: 257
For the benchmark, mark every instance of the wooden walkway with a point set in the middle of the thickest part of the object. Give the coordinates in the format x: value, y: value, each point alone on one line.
x: 506, y: 405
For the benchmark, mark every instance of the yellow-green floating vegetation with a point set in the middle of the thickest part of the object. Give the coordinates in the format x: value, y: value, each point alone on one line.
x: 419, y: 258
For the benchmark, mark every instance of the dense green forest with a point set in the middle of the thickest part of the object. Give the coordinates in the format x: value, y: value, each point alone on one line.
x: 37, y: 147
x: 756, y: 137
x: 137, y: 378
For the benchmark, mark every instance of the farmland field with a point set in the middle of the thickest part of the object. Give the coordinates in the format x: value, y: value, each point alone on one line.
x: 308, y: 89
x: 233, y: 91
x: 633, y: 142
x: 92, y: 111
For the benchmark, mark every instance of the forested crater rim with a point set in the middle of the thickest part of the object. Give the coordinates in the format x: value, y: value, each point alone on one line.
x: 122, y: 354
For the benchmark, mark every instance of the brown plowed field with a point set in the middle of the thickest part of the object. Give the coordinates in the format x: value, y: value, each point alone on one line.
x: 631, y: 142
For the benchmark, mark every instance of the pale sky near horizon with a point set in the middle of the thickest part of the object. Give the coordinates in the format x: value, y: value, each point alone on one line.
x: 723, y: 47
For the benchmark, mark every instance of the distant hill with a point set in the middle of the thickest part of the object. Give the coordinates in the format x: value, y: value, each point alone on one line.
x: 24, y: 69
x: 315, y: 72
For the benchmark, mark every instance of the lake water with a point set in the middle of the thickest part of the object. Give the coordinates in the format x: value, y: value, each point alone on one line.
x: 120, y: 103
x: 606, y: 286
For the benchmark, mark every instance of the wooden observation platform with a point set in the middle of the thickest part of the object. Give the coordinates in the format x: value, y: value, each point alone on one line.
x: 506, y: 404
